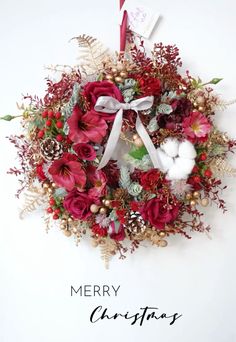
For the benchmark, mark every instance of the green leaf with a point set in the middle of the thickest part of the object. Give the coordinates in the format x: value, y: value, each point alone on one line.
x: 215, y: 80
x: 152, y: 126
x: 164, y: 108
x: 138, y: 153
x: 7, y: 117
x: 124, y: 180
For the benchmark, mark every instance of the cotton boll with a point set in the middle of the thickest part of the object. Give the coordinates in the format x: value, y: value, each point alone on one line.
x: 166, y: 161
x: 181, y: 169
x: 186, y: 165
x: 170, y: 146
x: 175, y: 173
x: 187, y: 150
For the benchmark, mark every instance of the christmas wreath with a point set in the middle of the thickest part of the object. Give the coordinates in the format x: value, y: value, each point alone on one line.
x: 123, y: 147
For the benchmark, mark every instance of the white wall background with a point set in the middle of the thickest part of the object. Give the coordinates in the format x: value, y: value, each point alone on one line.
x: 196, y: 278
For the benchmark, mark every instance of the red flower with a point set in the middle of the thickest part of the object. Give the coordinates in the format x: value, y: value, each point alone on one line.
x: 40, y: 173
x: 86, y: 127
x: 158, y: 212
x: 98, y: 180
x: 196, y: 125
x: 67, y: 173
x: 121, y: 215
x: 149, y: 85
x: 78, y: 204
x: 96, y: 229
x: 85, y: 151
x: 150, y: 179
x: 93, y: 90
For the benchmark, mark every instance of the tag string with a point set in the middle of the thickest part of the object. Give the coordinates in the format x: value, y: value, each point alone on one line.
x: 123, y: 28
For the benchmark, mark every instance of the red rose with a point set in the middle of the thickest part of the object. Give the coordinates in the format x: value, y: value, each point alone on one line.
x: 149, y: 85
x: 158, y: 212
x: 93, y: 90
x: 85, y: 151
x: 78, y: 204
x: 150, y: 179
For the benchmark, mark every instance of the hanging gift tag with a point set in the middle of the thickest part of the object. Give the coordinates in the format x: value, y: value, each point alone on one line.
x: 141, y: 18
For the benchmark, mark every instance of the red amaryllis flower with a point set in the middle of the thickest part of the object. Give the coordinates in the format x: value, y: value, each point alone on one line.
x: 85, y: 151
x: 150, y: 179
x: 98, y: 180
x: 78, y: 204
x: 196, y: 125
x: 93, y: 90
x: 86, y: 127
x: 67, y: 173
x: 158, y: 212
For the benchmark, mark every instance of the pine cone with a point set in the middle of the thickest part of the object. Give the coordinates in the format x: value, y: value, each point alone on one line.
x: 135, y: 223
x: 121, y: 194
x: 51, y: 149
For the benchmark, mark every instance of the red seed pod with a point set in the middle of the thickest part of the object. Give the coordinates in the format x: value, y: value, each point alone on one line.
x: 49, y: 123
x: 50, y: 114
x: 59, y: 138
x: 40, y: 134
x: 45, y: 114
x: 58, y: 115
x: 59, y: 124
x: 57, y: 211
x: 52, y: 201
x: 50, y: 210
x: 208, y: 173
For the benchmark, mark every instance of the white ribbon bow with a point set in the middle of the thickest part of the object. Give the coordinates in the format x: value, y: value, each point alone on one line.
x: 109, y: 105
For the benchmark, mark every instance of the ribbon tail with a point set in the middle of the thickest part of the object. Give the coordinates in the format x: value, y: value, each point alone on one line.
x: 112, y: 140
x: 148, y: 143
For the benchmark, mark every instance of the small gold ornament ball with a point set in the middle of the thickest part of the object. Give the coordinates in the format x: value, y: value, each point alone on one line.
x: 45, y: 185
x: 135, y: 136
x: 69, y: 220
x: 54, y: 185
x: 123, y: 74
x: 94, y: 208
x: 102, y: 210
x: 114, y: 71
x: 196, y: 194
x: 195, y: 104
x: 138, y: 142
x: 107, y: 203
x: 200, y: 100
x: 188, y: 196
x: 119, y: 79
x: 162, y: 243
x: 201, y: 109
x: 205, y: 202
x: 67, y: 233
x: 50, y: 190
x: 162, y: 234
x: 109, y: 77
x: 192, y: 203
